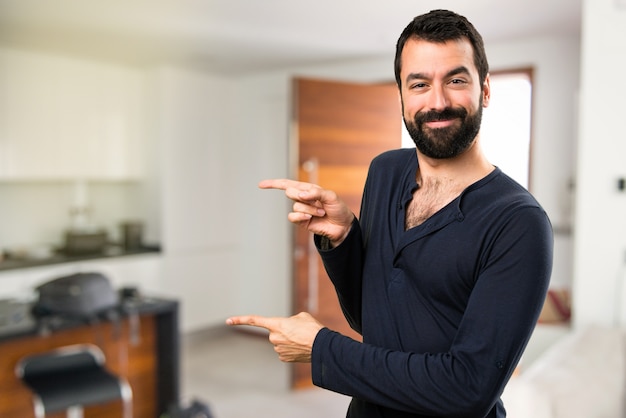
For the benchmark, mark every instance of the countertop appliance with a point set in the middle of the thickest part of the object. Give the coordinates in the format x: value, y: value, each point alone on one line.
x: 15, y: 316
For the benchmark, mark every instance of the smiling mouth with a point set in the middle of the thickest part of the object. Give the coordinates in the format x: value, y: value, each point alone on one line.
x: 436, y: 124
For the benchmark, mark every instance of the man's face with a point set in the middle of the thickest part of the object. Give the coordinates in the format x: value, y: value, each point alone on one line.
x: 442, y: 99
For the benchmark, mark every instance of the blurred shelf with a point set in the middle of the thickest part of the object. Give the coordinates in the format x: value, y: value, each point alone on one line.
x: 59, y: 257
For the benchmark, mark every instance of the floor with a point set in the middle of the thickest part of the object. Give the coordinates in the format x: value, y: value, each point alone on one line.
x: 238, y: 374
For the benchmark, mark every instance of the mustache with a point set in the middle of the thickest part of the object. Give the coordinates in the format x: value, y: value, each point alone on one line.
x: 445, y: 114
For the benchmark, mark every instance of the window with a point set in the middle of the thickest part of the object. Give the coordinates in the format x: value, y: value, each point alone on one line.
x: 505, y: 132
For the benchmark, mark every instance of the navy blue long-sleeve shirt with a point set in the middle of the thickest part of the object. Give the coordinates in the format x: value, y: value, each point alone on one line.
x: 445, y: 308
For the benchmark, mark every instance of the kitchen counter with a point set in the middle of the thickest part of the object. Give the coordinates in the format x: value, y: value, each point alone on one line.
x: 9, y: 263
x: 144, y: 349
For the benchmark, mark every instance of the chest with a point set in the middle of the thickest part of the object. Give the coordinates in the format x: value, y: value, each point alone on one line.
x: 429, y: 200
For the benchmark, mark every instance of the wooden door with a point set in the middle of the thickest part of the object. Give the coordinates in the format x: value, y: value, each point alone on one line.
x: 340, y: 127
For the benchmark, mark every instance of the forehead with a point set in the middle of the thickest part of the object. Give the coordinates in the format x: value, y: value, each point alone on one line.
x: 424, y: 57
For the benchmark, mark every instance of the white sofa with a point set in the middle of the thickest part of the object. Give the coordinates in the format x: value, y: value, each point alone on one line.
x: 579, y: 376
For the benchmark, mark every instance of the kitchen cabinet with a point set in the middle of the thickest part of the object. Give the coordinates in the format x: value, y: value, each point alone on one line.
x: 65, y: 118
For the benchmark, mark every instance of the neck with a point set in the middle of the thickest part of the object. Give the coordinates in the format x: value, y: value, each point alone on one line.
x: 464, y: 169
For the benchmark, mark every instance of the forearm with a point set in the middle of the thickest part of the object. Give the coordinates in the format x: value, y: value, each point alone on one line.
x: 450, y: 384
x: 343, y: 265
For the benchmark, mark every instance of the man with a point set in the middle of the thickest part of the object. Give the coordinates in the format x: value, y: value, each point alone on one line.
x: 445, y: 272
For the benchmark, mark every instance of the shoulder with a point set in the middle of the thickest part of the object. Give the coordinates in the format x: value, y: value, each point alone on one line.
x: 517, y: 194
x: 500, y: 198
x: 393, y: 166
x: 502, y: 189
x: 393, y: 157
x: 394, y: 162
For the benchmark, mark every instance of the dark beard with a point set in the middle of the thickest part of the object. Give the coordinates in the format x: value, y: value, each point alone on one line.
x: 446, y: 142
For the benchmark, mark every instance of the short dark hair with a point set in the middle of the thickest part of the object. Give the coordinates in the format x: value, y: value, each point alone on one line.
x: 442, y: 26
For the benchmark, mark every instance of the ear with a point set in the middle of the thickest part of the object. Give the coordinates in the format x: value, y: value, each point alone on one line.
x: 486, y: 91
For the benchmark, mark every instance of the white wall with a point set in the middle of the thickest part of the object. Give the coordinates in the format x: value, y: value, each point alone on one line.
x: 193, y: 120
x: 262, y: 130
x: 600, y: 244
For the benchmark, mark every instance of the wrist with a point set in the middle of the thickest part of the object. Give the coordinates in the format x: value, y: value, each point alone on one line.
x: 325, y: 243
x: 337, y: 243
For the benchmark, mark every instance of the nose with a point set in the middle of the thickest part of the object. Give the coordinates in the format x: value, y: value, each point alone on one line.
x: 438, y: 98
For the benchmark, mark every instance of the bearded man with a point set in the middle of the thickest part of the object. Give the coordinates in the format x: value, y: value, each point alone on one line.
x: 446, y: 269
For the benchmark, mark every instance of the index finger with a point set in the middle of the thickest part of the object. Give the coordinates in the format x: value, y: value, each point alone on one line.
x: 284, y: 184
x: 299, y: 190
x: 253, y: 320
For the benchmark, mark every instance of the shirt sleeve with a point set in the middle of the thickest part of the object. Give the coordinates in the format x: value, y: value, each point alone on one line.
x: 468, y: 379
x: 344, y: 267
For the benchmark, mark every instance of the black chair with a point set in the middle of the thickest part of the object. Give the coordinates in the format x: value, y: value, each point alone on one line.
x: 70, y: 378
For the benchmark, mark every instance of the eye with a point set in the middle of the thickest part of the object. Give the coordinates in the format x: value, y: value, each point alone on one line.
x: 419, y: 85
x: 457, y: 81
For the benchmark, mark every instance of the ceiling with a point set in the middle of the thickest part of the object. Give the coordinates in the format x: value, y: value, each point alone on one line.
x: 246, y: 36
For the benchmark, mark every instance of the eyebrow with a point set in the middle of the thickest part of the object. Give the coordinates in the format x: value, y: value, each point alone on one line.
x: 455, y: 71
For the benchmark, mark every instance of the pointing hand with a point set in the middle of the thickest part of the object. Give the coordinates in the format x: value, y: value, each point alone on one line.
x: 292, y: 337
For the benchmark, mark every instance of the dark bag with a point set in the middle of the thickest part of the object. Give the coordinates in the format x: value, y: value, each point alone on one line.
x: 81, y: 294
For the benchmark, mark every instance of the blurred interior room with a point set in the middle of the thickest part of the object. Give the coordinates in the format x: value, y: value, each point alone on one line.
x: 132, y: 139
